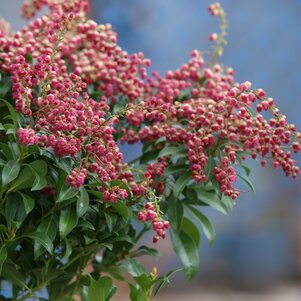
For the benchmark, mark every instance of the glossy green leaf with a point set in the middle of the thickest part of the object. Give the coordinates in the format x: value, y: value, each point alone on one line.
x: 24, y: 180
x: 175, y: 169
x: 5, y: 149
x: 144, y: 250
x: 10, y: 130
x: 209, y: 168
x: 187, y: 250
x: 12, y: 111
x: 175, y: 212
x: 100, y: 290
x: 10, y: 171
x: 28, y: 202
x: 171, y: 150
x: 14, y: 211
x: 67, y: 193
x: 149, y: 156
x: 111, y: 293
x: 181, y: 183
x: 84, y: 224
x: 145, y: 281
x: 39, y: 181
x: 27, y: 177
x: 137, y: 294
x: 82, y: 204
x: 211, y: 199
x: 3, y: 256
x: 5, y: 86
x: 122, y: 210
x: 111, y: 220
x: 68, y: 221
x: 68, y: 249
x: 98, y: 194
x: 191, y: 230
x: 246, y: 169
x: 164, y: 279
x: 204, y: 221
x: 49, y: 227
x: 228, y: 202
x: 133, y: 267
x: 14, y: 276
x: 247, y: 181
x: 42, y: 239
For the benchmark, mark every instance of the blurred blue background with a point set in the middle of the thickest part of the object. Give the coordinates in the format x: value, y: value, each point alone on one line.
x: 259, y: 243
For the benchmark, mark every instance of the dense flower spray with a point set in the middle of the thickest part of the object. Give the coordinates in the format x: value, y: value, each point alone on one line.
x: 55, y: 59
x: 69, y: 96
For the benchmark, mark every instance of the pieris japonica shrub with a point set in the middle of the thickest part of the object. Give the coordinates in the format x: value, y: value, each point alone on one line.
x: 72, y: 210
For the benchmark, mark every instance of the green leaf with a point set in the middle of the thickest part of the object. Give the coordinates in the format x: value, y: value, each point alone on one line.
x: 24, y: 180
x: 144, y: 250
x: 10, y: 171
x: 165, y: 279
x: 10, y: 131
x: 14, y: 211
x: 171, y: 150
x: 49, y: 227
x: 212, y: 199
x: 133, y: 267
x: 98, y: 194
x: 39, y: 181
x: 204, y: 221
x: 84, y: 224
x: 82, y: 204
x: 111, y: 293
x: 209, y: 168
x: 27, y: 177
x: 181, y: 183
x: 5, y: 149
x: 149, y: 156
x: 122, y: 210
x: 187, y: 250
x: 68, y: 249
x: 111, y: 220
x: 12, y: 111
x: 145, y: 281
x: 42, y: 239
x: 3, y: 256
x: 68, y: 221
x: 175, y: 169
x: 228, y: 202
x: 14, y: 276
x: 191, y: 197
x: 247, y: 181
x: 66, y: 194
x: 191, y: 230
x: 100, y: 290
x: 5, y: 86
x: 28, y: 202
x: 175, y: 212
x: 246, y: 169
x: 137, y: 294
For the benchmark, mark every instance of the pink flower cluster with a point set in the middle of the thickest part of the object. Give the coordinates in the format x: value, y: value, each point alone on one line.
x: 159, y: 226
x: 113, y: 193
x: 31, y: 7
x: 61, y: 115
x: 155, y: 171
x: 208, y: 112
